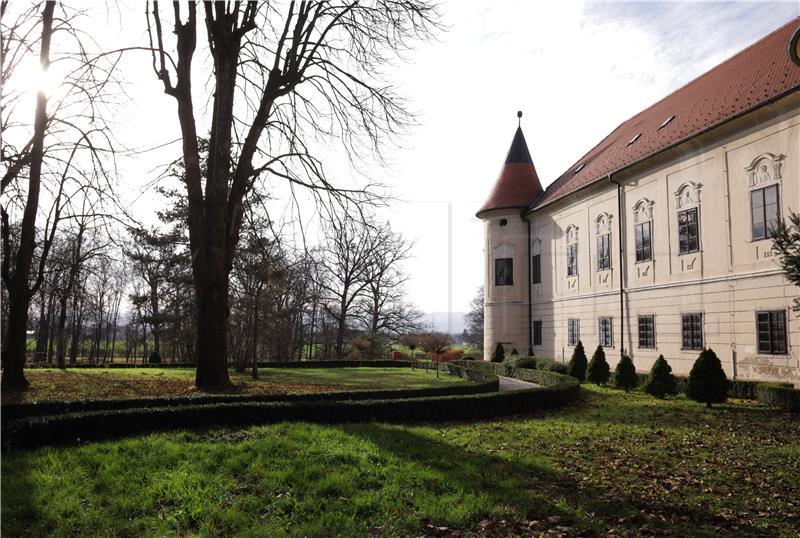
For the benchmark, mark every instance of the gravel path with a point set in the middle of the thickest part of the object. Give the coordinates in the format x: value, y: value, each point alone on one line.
x: 509, y: 384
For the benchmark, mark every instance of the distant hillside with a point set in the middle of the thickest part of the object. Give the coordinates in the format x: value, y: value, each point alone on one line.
x: 446, y: 322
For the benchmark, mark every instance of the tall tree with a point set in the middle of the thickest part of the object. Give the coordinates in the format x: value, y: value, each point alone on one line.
x: 278, y: 82
x: 57, y: 151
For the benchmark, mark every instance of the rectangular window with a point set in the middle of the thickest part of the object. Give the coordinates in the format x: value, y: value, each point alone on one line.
x: 605, y: 332
x: 536, y: 269
x: 771, y: 329
x: 603, y: 252
x: 765, y: 212
x: 644, y: 251
x: 687, y: 231
x: 692, y: 331
x: 572, y: 259
x: 573, y: 331
x: 647, y: 331
x: 537, y: 333
x: 504, y: 272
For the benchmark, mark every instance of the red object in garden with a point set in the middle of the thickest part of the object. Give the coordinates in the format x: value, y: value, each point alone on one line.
x: 396, y: 355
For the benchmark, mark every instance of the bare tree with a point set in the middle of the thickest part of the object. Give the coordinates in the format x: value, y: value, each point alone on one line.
x: 311, y: 71
x: 474, y: 319
x: 59, y: 152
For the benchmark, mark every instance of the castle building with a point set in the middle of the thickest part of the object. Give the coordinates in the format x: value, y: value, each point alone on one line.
x: 658, y: 240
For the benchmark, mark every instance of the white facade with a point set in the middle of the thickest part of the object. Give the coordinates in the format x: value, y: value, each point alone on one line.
x: 720, y: 283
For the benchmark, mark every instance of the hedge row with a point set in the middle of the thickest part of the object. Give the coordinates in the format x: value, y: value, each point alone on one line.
x: 93, y: 425
x: 481, y: 383
x: 265, y: 364
x: 779, y: 395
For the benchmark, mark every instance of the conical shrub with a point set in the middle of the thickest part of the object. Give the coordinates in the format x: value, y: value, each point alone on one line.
x: 577, y: 364
x: 499, y: 354
x: 625, y: 374
x: 660, y: 382
x: 599, y: 371
x: 707, y: 380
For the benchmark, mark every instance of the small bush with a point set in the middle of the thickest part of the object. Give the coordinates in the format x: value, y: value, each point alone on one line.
x: 514, y: 352
x: 543, y: 363
x: 599, y: 371
x: 660, y: 382
x: 530, y: 351
x: 155, y: 358
x: 499, y: 354
x: 707, y: 381
x: 577, y: 364
x: 452, y: 355
x: 778, y: 395
x: 625, y: 374
x: 514, y: 363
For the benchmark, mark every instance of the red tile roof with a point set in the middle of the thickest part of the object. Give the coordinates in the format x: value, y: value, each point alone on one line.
x: 751, y: 78
x: 518, y: 184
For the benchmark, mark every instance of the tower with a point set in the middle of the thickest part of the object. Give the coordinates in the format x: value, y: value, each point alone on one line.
x: 506, y: 300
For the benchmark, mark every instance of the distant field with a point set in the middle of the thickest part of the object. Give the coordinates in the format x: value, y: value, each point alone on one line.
x: 85, y: 383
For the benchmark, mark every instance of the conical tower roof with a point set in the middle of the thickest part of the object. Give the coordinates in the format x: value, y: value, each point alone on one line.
x: 518, y: 184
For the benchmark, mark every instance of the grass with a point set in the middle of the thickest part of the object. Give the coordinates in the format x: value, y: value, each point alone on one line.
x: 614, y: 461
x: 87, y: 383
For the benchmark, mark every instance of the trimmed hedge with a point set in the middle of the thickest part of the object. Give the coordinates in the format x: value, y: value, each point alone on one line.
x: 14, y: 411
x: 778, y: 395
x: 264, y: 364
x: 34, y: 431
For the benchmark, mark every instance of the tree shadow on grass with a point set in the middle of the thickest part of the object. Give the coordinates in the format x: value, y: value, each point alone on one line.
x: 524, y: 491
x: 17, y: 503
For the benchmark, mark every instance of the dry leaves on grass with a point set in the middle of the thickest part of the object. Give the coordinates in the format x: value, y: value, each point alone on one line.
x: 71, y: 385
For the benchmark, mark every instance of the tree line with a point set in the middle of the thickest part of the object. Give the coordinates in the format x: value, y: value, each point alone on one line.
x: 212, y: 284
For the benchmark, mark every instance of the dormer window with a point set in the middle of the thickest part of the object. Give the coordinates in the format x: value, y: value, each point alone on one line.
x: 634, y: 139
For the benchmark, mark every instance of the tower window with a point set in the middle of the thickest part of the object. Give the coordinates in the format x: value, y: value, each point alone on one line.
x: 537, y: 333
x: 536, y: 269
x: 504, y: 272
x: 503, y: 222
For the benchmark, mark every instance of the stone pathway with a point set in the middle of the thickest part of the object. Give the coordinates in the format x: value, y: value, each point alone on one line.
x: 509, y: 383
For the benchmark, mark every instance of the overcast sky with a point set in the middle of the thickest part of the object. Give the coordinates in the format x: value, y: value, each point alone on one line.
x: 576, y: 70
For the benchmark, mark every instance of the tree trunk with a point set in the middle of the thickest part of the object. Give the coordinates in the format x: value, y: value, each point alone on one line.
x: 61, y: 334
x: 212, y: 335
x: 13, y: 374
x: 19, y: 292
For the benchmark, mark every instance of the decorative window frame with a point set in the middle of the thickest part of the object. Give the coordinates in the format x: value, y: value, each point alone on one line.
x: 571, y: 234
x: 570, y: 239
x: 602, y: 226
x: 764, y: 170
x: 643, y: 211
x: 688, y: 196
x: 602, y: 223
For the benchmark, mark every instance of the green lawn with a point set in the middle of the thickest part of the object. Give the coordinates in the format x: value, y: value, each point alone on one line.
x: 612, y: 461
x: 88, y: 383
